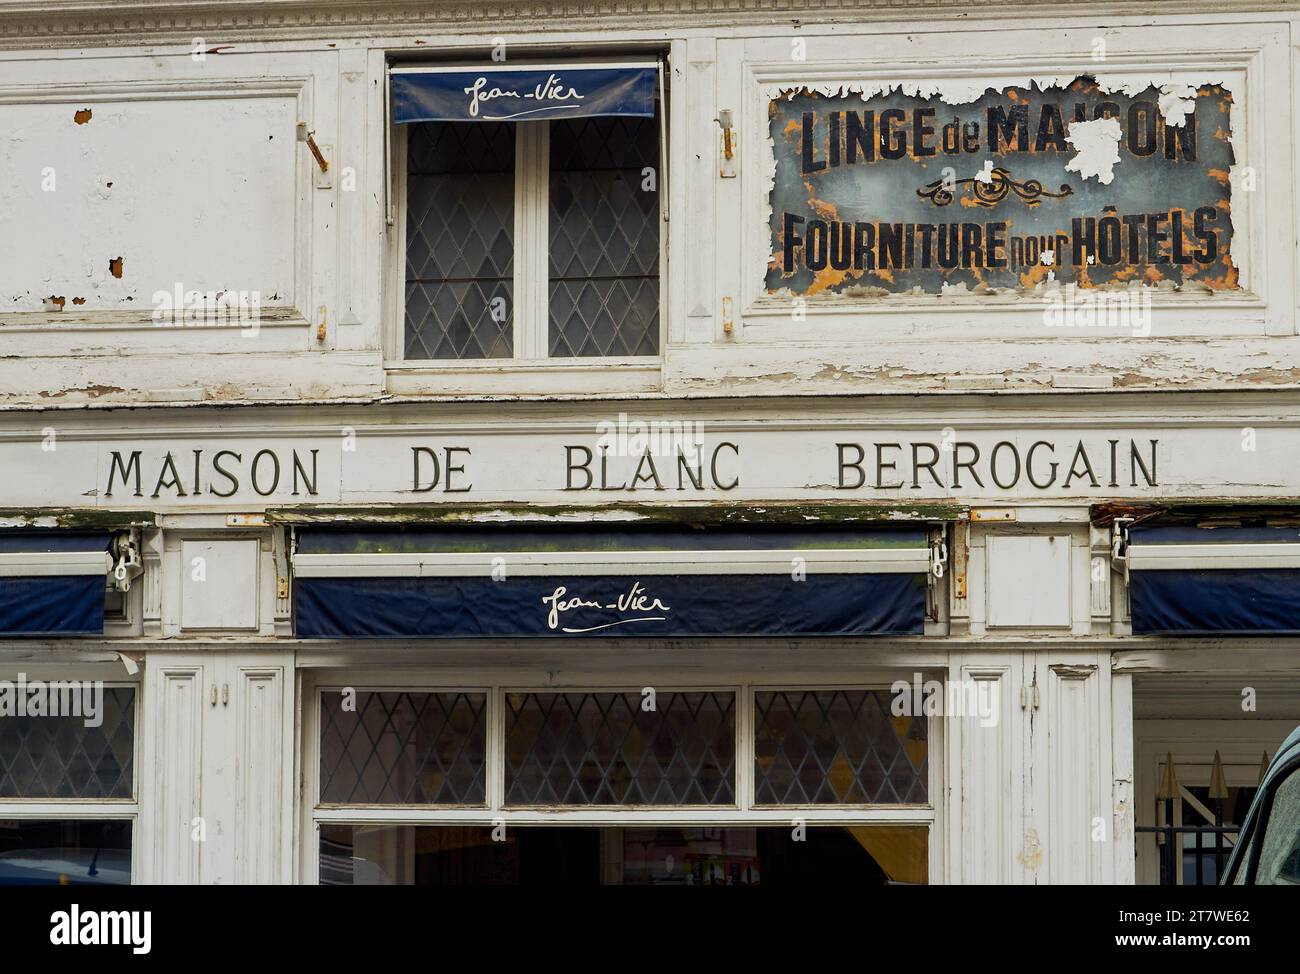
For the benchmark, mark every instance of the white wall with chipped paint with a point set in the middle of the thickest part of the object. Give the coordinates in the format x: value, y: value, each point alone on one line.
x: 212, y: 197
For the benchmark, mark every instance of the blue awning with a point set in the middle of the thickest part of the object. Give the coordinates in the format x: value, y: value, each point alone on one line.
x: 522, y: 93
x: 562, y: 582
x: 1208, y: 581
x: 53, y: 583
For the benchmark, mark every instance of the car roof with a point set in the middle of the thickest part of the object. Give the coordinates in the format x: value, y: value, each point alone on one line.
x: 1289, y: 749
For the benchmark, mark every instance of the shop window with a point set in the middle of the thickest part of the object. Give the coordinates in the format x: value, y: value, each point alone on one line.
x: 636, y: 856
x: 403, y: 748
x: 460, y: 244
x: 604, y: 237
x: 65, y: 757
x: 65, y: 853
x: 636, y: 786
x: 532, y: 239
x: 836, y: 747
x: 672, y: 748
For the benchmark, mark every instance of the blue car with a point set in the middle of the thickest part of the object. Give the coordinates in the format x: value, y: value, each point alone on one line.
x: 1268, y: 848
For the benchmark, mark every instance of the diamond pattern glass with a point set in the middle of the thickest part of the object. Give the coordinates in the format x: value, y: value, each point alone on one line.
x: 403, y: 748
x: 460, y: 206
x: 60, y: 757
x: 836, y: 747
x: 607, y: 749
x: 604, y: 237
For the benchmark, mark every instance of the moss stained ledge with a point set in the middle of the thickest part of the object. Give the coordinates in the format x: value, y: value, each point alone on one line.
x: 692, y: 515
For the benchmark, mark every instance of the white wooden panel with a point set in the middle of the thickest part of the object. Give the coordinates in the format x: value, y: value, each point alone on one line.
x: 1028, y: 580
x: 1078, y: 834
x: 1122, y: 794
x: 191, y: 193
x: 261, y: 816
x: 172, y: 781
x: 219, y: 584
x: 986, y: 766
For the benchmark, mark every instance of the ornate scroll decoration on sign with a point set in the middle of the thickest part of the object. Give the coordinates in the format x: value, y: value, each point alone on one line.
x: 990, y: 189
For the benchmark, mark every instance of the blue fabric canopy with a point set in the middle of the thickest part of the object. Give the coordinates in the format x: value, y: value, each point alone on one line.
x: 41, y: 604
x: 682, y: 605
x: 1189, y: 600
x: 521, y: 93
x: 383, y: 584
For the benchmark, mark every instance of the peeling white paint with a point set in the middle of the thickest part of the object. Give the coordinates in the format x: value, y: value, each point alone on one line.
x: 1177, y: 101
x: 1097, y: 145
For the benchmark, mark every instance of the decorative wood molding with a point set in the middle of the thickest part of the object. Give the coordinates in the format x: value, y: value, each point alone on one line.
x: 100, y: 23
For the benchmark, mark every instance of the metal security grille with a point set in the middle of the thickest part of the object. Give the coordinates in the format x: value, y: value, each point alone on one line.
x: 604, y: 237
x: 60, y: 757
x: 460, y: 240
x: 608, y: 749
x: 836, y: 747
x: 403, y: 748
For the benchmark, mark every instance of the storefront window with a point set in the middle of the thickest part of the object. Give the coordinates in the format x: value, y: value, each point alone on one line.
x: 590, y: 856
x: 65, y: 853
x: 620, y: 748
x: 648, y: 786
x: 836, y: 747
x: 403, y: 748
x: 85, y: 754
x: 67, y: 781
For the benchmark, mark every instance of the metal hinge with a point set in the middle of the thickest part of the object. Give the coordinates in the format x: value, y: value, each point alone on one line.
x: 1029, y: 697
x: 1119, y: 544
x: 127, y: 565
x: 938, y: 558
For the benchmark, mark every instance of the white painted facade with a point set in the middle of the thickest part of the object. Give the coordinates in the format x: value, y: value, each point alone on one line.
x: 170, y: 134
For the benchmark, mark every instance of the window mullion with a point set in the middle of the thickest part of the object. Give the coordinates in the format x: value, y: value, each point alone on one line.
x: 496, y: 749
x: 745, y: 747
x: 532, y: 242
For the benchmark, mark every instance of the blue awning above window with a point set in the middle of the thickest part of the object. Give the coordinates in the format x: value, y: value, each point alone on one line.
x: 513, y: 583
x: 522, y: 93
x: 53, y: 583
x: 1201, y: 581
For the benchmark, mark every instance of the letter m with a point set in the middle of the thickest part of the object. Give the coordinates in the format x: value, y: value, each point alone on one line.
x: 116, y: 926
x: 125, y: 469
x: 1003, y: 125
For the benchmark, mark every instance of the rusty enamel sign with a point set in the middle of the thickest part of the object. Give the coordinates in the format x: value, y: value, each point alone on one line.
x: 896, y: 192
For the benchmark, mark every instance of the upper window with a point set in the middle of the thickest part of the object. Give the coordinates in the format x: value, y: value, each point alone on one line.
x: 531, y: 232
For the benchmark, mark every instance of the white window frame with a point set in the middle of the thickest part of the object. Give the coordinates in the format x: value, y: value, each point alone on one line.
x: 535, y: 370
x: 81, y: 809
x: 744, y: 813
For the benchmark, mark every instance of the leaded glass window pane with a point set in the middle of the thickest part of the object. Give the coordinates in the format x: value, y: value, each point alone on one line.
x: 403, y: 748
x: 61, y: 757
x: 608, y: 749
x: 460, y: 213
x: 836, y: 747
x: 604, y: 237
